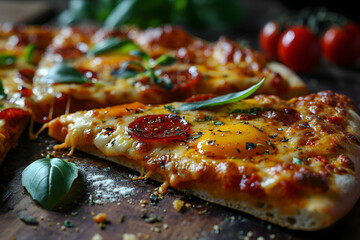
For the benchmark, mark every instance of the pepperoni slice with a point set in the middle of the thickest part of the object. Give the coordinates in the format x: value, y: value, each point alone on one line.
x: 13, y: 115
x: 201, y: 97
x: 68, y: 52
x: 159, y: 128
x: 26, y: 74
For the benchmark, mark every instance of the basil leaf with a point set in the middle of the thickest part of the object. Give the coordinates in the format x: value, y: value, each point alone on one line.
x: 29, y: 53
x: 63, y: 73
x: 7, y: 60
x: 2, y: 91
x: 112, y: 43
x: 164, y: 60
x: 125, y: 73
x: 48, y: 180
x: 138, y: 53
x: 221, y: 100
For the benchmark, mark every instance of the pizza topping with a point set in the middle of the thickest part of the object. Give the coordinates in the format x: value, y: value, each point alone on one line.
x: 221, y: 100
x: 159, y: 128
x: 63, y: 73
x: 26, y: 74
x: 168, y: 36
x: 183, y: 82
x: 148, y: 70
x: 113, y: 43
x: 7, y: 60
x: 13, y: 115
x: 2, y: 91
x: 232, y: 141
x: 68, y: 52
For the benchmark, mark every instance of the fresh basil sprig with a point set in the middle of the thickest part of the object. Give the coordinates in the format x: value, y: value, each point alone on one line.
x: 112, y: 43
x: 48, y: 180
x: 29, y: 53
x: 131, y: 69
x: 2, y: 91
x: 63, y: 73
x: 7, y: 60
x: 221, y: 100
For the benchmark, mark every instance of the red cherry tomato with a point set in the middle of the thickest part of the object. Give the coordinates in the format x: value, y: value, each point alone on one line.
x: 269, y: 37
x: 339, y: 46
x: 355, y: 29
x: 299, y: 49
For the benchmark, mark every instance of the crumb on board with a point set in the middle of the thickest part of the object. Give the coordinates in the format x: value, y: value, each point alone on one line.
x: 100, y: 218
x: 97, y: 237
x: 129, y: 236
x: 178, y: 204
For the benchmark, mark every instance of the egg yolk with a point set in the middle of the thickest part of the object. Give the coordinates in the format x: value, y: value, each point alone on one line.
x: 233, y: 141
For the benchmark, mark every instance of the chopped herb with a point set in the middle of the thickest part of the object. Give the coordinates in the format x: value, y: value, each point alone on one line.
x: 267, y: 151
x: 7, y: 60
x: 90, y: 201
x: 122, y: 218
x: 2, y: 91
x: 154, y: 198
x: 131, y: 69
x: 152, y: 219
x: 215, y: 122
x: 250, y: 111
x: 285, y: 139
x: 29, y: 53
x: 273, y: 136
x: 171, y: 109
x: 31, y: 220
x: 250, y: 145
x: 298, y: 148
x: 296, y: 161
x: 238, y: 150
x: 199, y: 134
x: 68, y: 224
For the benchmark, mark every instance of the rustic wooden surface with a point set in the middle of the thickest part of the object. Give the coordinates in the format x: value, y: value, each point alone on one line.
x: 199, y: 220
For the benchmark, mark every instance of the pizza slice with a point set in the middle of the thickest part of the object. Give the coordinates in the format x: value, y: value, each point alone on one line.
x: 294, y: 163
x: 88, y: 68
x: 21, y: 48
x: 13, y: 121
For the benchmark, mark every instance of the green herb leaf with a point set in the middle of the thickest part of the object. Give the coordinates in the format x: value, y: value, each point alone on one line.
x: 29, y: 53
x: 296, y: 161
x: 222, y: 100
x: 2, y: 91
x: 48, y: 180
x: 112, y: 43
x: 63, y: 73
x: 7, y: 60
x: 164, y: 60
x: 138, y: 53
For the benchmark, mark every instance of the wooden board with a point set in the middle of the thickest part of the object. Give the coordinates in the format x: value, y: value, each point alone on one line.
x: 199, y: 220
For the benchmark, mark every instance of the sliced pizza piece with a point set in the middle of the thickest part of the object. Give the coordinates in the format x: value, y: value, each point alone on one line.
x: 13, y: 121
x: 86, y: 68
x: 294, y: 163
x: 21, y: 48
